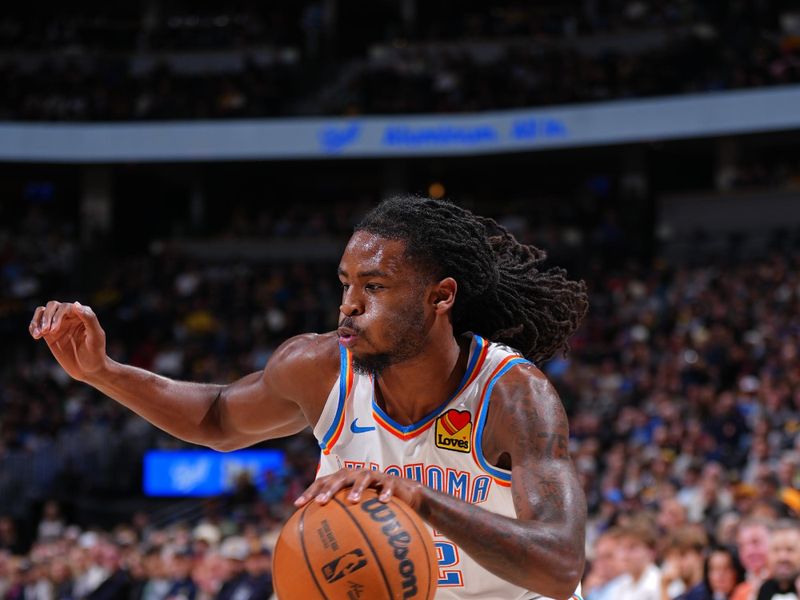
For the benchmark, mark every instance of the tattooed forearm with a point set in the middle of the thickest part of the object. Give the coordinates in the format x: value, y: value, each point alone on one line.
x: 526, y: 553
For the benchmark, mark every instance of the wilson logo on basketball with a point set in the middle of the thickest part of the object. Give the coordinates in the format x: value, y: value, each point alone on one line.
x: 344, y: 565
x: 454, y: 430
x: 399, y: 540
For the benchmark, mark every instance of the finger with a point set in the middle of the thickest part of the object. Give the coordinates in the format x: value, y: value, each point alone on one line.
x: 35, y: 327
x: 387, y: 490
x: 63, y: 311
x: 308, y: 494
x: 313, y: 490
x: 334, y: 483
x: 360, y: 483
x: 88, y: 318
x: 67, y: 327
x: 94, y: 331
x: 325, y: 494
x: 47, y: 316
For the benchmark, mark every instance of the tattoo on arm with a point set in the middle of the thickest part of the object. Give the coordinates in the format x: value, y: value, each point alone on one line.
x: 555, y: 445
x: 550, y: 505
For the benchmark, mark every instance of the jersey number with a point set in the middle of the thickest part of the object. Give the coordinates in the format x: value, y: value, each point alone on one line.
x: 447, y: 554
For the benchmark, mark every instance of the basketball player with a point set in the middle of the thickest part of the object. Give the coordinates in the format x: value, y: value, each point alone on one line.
x: 420, y: 394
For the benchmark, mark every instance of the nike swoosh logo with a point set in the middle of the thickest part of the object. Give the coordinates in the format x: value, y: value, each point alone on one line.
x: 356, y: 429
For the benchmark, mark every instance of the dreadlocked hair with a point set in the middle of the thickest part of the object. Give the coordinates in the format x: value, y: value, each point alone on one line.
x: 502, y: 293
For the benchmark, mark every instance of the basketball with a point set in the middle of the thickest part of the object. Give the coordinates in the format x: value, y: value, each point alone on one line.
x: 371, y: 551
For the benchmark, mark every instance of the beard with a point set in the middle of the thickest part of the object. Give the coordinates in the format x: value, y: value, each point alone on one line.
x: 406, y: 339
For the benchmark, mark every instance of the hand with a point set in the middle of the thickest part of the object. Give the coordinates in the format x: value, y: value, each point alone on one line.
x: 74, y: 336
x: 323, y: 489
x: 670, y: 571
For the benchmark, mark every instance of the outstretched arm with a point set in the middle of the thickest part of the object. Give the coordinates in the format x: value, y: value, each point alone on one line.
x: 543, y: 548
x: 268, y: 404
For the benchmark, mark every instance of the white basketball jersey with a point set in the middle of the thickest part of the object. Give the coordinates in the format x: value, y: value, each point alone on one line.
x: 443, y: 451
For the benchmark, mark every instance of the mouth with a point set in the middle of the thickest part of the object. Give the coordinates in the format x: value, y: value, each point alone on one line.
x: 348, y: 337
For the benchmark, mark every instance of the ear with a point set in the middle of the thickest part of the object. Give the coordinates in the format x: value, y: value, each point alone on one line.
x: 443, y: 295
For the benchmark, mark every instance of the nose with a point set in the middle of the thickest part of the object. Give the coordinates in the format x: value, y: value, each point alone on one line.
x: 352, y: 305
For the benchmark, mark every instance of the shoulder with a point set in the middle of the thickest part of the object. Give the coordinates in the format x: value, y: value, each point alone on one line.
x: 305, y: 366
x: 526, y: 392
x: 523, y: 376
x: 525, y: 416
x: 309, y: 349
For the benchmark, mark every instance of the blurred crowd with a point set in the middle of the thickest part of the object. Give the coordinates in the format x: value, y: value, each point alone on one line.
x: 205, y: 25
x: 684, y: 428
x: 455, y: 79
x: 682, y: 386
x: 150, y: 26
x: 217, y: 558
x: 105, y: 90
x: 151, y: 61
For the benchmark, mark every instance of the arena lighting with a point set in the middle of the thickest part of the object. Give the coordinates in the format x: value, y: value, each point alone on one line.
x: 436, y: 190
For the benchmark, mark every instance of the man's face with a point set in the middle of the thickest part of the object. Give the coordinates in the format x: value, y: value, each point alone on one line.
x: 382, y: 318
x: 753, y: 544
x: 637, y: 555
x: 607, y: 558
x: 784, y: 554
x: 690, y: 563
x: 672, y: 514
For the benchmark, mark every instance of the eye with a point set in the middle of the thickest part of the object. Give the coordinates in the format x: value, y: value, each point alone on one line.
x: 373, y: 286
x: 345, y: 286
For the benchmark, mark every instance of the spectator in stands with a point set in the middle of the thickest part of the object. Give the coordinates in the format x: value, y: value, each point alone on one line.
x: 182, y: 586
x: 117, y: 582
x: 258, y: 583
x: 5, y: 572
x: 723, y: 576
x: 234, y: 549
x: 20, y: 578
x: 725, y: 532
x: 784, y: 563
x: 61, y: 576
x: 157, y: 583
x: 37, y: 585
x: 52, y: 525
x: 90, y: 572
x: 9, y: 540
x: 671, y: 515
x: 682, y: 567
x: 752, y: 542
x: 210, y: 573
x: 605, y: 567
x: 641, y: 579
x: 710, y: 498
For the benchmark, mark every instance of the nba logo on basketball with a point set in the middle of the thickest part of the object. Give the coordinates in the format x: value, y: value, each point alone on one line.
x: 343, y: 565
x: 454, y: 430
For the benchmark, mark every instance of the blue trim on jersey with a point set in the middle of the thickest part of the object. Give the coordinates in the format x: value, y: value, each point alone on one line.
x: 342, y: 396
x: 493, y: 471
x: 476, y: 352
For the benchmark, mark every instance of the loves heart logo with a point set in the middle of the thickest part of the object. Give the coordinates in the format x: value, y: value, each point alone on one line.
x: 454, y: 430
x: 455, y: 420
